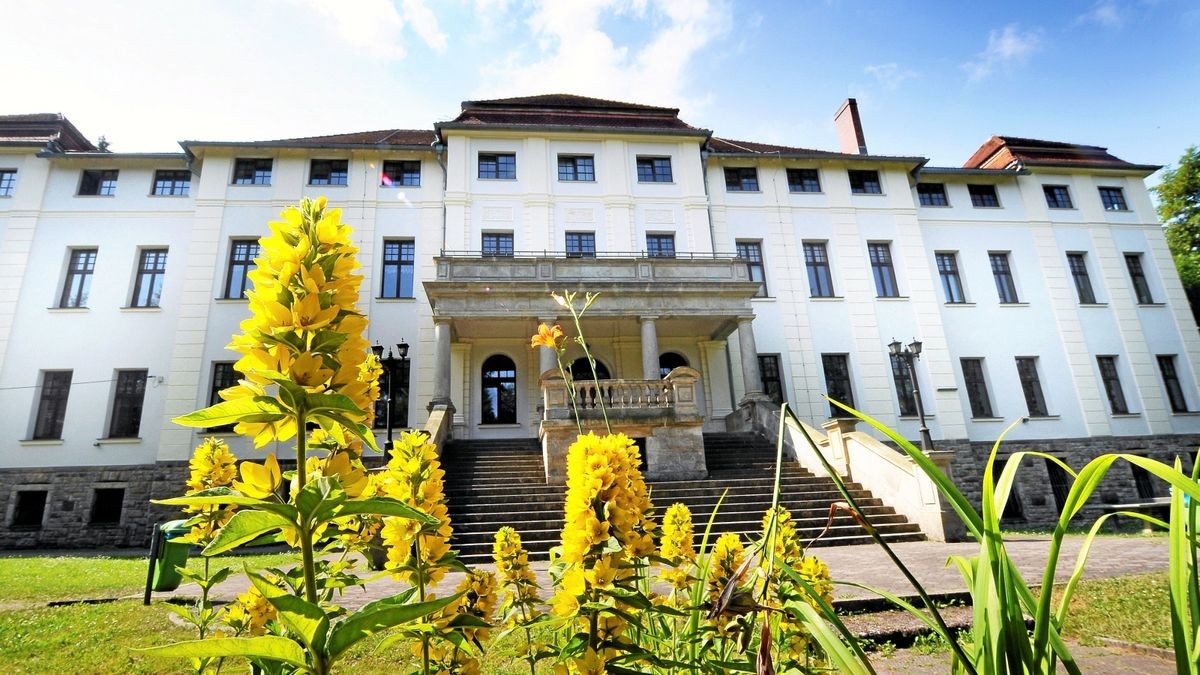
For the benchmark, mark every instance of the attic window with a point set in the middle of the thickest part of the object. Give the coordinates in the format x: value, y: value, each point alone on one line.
x: 98, y: 183
x: 865, y: 183
x: 932, y: 194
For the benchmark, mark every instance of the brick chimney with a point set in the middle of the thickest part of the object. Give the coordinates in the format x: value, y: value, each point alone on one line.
x: 849, y: 128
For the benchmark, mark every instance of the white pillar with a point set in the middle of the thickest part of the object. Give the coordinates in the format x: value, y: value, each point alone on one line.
x: 441, y: 363
x: 649, y: 348
x: 750, y: 375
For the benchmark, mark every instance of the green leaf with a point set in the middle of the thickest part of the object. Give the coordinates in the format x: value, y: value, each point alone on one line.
x: 315, y: 493
x: 332, y: 402
x: 376, y: 617
x: 327, y: 341
x: 220, y: 496
x: 242, y: 527
x: 250, y: 409
x: 385, y: 506
x: 270, y: 647
x: 300, y: 616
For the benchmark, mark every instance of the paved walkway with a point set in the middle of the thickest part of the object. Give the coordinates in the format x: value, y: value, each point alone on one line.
x: 866, y: 564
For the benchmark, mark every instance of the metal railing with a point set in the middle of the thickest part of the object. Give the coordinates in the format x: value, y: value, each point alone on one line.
x: 610, y: 255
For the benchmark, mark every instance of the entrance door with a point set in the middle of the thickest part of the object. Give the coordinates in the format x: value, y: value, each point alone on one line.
x: 499, y: 391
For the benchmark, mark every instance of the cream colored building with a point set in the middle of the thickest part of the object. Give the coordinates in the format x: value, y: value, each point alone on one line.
x: 1036, y: 278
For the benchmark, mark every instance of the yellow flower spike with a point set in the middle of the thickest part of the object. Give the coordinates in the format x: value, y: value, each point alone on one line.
x: 307, y: 314
x: 547, y: 336
x: 259, y: 481
x: 352, y: 478
x: 309, y: 371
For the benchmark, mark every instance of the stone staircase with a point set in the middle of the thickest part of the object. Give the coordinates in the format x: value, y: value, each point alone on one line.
x: 493, y: 483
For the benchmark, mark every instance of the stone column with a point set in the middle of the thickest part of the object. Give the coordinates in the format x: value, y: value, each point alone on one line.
x: 441, y: 363
x: 546, y: 358
x: 750, y: 375
x: 649, y: 348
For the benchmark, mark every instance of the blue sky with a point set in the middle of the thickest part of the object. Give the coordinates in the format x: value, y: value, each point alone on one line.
x: 932, y: 78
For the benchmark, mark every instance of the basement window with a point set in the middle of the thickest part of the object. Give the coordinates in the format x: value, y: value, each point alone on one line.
x: 29, y: 510
x: 106, y: 506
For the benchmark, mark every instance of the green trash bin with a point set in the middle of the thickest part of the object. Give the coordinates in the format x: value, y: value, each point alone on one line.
x: 173, y: 553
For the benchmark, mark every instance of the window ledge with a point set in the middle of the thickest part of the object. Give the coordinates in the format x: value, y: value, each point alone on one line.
x: 141, y: 310
x: 250, y: 185
x: 987, y: 419
x: 399, y: 300
x: 489, y: 426
x: 1152, y: 304
x: 1093, y: 304
x: 1014, y: 304
x: 499, y: 179
x: 936, y: 206
x: 974, y: 206
x: 326, y: 185
x: 892, y: 298
x: 826, y: 298
x: 866, y: 194
x: 41, y: 441
x: 69, y: 310
x: 572, y: 180
x: 168, y: 196
x: 753, y: 192
x: 1129, y: 415
x: 97, y: 196
x: 806, y: 192
x: 656, y: 182
x: 763, y: 298
x: 916, y: 418
x: 959, y: 304
x: 1040, y: 418
x: 1186, y: 413
x: 118, y: 441
x: 227, y: 301
x: 1061, y: 208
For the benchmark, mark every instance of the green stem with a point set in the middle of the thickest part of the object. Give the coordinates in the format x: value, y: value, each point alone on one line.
x: 570, y: 390
x: 591, y: 363
x: 204, y: 600
x: 421, y: 595
x: 306, y: 544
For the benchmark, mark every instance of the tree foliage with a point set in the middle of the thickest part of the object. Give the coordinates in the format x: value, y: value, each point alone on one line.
x: 1179, y: 209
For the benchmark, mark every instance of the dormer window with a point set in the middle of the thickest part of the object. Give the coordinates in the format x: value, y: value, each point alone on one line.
x: 98, y: 183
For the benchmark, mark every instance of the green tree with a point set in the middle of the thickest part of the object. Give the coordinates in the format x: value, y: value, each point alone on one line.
x: 1179, y: 209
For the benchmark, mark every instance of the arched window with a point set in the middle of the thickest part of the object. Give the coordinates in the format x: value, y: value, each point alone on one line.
x: 498, y: 385
x: 669, y: 361
x: 580, y: 370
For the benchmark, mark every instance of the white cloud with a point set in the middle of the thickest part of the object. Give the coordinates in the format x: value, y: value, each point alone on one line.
x: 1005, y: 48
x: 376, y: 27
x: 889, y: 75
x: 1107, y: 13
x: 572, y: 51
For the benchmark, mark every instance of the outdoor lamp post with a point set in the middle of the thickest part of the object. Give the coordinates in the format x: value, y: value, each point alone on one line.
x: 910, y: 354
x: 392, y: 365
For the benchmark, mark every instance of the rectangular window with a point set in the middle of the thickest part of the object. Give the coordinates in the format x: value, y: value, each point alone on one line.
x: 397, y: 173
x: 1112, y: 384
x: 768, y: 373
x: 865, y: 183
x: 80, y: 267
x: 52, y: 405
x: 816, y: 259
x: 660, y: 245
x: 499, y: 244
x: 1077, y: 262
x: 152, y: 269
x: 581, y: 244
x: 498, y: 166
x: 1006, y: 288
x: 1031, y: 386
x: 881, y: 267
x: 1170, y: 377
x: 223, y: 377
x: 29, y: 510
x: 654, y: 169
x: 983, y: 196
x: 329, y: 172
x: 803, y: 180
x: 1141, y: 289
x: 127, y: 404
x: 242, y: 253
x: 947, y: 264
x: 741, y: 179
x: 106, y: 506
x: 751, y: 252
x: 1113, y: 199
x: 172, y: 183
x: 576, y: 168
x: 252, y: 171
x: 837, y: 382
x: 8, y: 182
x: 977, y: 393
x: 398, y: 256
x: 98, y: 183
x: 905, y: 392
x: 1060, y: 483
x: 1057, y: 196
x: 932, y: 194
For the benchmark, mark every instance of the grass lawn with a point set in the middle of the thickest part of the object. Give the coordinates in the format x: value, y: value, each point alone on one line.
x: 1133, y: 609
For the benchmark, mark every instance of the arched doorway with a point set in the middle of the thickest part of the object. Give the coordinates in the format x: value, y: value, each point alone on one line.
x: 498, y: 386
x: 668, y: 361
x: 580, y: 370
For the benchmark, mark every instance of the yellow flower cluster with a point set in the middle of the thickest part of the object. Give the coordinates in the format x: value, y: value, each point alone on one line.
x: 415, y: 477
x: 606, y: 497
x: 727, y: 556
x: 519, y: 583
x: 676, y: 546
x: 787, y: 541
x: 369, y: 372
x: 478, y: 600
x: 250, y: 614
x: 814, y: 570
x: 303, y: 326
x: 212, y: 465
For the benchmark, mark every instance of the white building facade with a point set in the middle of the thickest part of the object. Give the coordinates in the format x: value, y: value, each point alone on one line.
x: 1036, y: 278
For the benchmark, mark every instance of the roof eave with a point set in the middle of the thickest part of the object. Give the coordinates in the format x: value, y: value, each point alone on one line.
x: 1137, y: 169
x: 961, y: 171
x: 642, y: 131
x: 188, y: 145
x: 916, y: 161
x: 113, y: 155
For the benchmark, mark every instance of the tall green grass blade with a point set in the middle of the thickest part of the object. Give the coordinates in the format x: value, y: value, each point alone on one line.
x: 840, y: 656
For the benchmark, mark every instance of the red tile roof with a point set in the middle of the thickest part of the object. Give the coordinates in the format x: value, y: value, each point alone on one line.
x: 564, y: 101
x: 724, y: 146
x: 1002, y: 152
x: 40, y: 129
x: 379, y: 137
x: 569, y: 112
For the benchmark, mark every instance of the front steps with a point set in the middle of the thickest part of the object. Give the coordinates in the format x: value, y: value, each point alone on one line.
x: 493, y: 483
